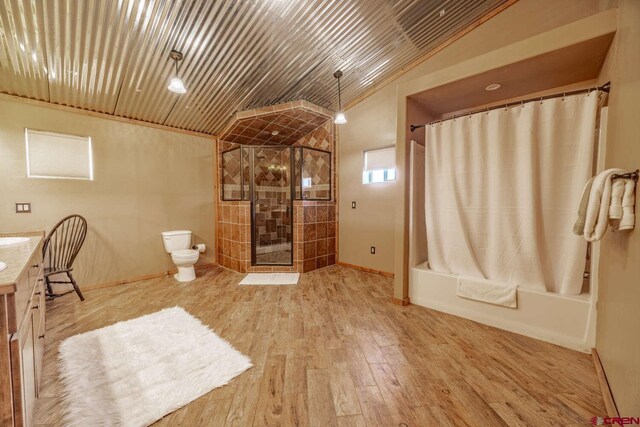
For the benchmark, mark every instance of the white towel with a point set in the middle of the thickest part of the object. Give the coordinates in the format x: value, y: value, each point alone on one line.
x: 628, y: 202
x: 490, y: 291
x: 597, y: 217
x: 615, y: 207
x: 578, y: 227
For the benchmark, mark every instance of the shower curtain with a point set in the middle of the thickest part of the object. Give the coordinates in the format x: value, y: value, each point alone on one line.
x: 501, y: 192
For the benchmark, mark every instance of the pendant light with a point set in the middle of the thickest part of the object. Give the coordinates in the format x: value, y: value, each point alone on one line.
x: 340, y: 118
x: 176, y: 85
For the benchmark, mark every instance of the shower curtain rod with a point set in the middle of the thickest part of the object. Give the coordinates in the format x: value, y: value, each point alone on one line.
x: 604, y: 88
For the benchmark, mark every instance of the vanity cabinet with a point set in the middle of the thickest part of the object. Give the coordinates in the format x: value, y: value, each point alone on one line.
x: 22, y: 310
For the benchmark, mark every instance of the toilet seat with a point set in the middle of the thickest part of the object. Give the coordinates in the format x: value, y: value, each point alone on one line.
x: 185, y: 253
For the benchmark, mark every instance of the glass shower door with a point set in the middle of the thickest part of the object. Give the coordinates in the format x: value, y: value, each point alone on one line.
x: 272, y: 206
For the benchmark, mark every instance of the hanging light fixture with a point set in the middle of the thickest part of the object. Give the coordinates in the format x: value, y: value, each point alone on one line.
x: 176, y: 85
x: 340, y: 118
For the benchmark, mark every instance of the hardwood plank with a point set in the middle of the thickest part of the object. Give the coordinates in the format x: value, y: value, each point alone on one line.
x: 295, y: 378
x: 351, y: 421
x: 374, y: 409
x: 244, y: 402
x: 295, y: 410
x: 270, y: 399
x: 345, y: 399
x: 321, y: 409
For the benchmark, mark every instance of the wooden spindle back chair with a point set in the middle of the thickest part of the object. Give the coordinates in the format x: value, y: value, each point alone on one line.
x: 59, y: 251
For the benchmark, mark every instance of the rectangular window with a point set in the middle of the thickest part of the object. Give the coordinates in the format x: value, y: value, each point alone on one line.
x: 56, y: 155
x: 379, y: 165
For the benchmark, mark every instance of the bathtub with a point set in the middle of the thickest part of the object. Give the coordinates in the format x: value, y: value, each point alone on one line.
x: 565, y: 320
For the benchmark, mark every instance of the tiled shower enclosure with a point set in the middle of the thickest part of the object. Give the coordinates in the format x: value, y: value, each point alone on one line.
x: 277, y: 209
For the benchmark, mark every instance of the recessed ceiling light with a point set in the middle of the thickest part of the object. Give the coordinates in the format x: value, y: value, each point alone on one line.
x: 22, y: 47
x: 34, y: 56
x: 274, y: 133
x: 493, y: 86
x: 442, y: 13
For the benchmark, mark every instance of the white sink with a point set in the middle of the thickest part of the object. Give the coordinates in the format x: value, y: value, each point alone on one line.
x: 2, y: 266
x: 12, y: 241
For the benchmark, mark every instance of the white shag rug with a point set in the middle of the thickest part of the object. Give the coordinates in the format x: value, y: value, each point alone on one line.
x: 135, y: 372
x: 271, y: 279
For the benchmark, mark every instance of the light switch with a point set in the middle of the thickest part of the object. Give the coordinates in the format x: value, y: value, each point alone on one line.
x: 353, y: 205
x: 373, y: 250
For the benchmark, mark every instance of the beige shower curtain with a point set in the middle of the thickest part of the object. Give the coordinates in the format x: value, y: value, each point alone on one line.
x: 501, y: 192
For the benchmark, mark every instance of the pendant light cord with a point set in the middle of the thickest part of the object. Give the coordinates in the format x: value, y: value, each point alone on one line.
x: 339, y: 96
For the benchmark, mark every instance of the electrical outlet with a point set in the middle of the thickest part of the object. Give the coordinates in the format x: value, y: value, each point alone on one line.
x: 373, y: 250
x: 23, y: 207
x: 353, y: 205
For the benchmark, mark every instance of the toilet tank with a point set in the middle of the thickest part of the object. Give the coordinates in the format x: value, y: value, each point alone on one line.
x: 176, y: 240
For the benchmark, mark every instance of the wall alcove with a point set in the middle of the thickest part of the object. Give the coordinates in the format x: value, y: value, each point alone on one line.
x: 568, y: 58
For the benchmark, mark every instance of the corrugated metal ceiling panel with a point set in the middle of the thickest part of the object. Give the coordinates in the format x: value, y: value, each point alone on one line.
x: 113, y: 56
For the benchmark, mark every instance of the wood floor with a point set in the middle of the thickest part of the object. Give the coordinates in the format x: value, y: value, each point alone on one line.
x: 333, y: 350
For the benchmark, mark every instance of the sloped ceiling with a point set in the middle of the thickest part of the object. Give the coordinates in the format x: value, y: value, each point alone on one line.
x: 112, y: 56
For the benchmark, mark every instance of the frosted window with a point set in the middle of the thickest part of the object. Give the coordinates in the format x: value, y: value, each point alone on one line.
x: 56, y: 155
x: 379, y: 165
x: 381, y: 158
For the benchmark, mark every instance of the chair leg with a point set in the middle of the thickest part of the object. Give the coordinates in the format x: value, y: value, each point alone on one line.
x: 49, y: 288
x: 75, y: 286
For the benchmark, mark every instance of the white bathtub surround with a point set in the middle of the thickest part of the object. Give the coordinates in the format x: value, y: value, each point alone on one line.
x: 270, y: 279
x: 133, y: 373
x: 488, y: 291
x: 501, y: 191
x: 565, y: 320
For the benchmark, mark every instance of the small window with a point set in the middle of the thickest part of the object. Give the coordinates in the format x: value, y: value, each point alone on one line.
x: 56, y: 155
x: 379, y: 165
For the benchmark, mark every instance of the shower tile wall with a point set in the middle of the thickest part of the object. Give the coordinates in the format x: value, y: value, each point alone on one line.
x: 232, y: 235
x: 231, y: 175
x: 317, y: 226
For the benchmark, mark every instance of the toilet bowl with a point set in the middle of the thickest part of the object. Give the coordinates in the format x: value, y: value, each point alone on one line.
x: 178, y: 244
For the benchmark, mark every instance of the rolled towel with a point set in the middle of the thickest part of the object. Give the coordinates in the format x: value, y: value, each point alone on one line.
x: 628, y: 201
x: 597, y: 217
x: 578, y: 227
x: 615, y: 207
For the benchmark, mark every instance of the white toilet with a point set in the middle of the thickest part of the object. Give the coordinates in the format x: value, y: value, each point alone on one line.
x: 178, y: 244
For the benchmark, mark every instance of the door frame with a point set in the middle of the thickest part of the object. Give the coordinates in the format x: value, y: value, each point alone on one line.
x: 252, y: 204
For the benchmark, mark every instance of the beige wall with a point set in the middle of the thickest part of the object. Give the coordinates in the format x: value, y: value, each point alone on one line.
x: 618, y: 324
x: 371, y: 223
x: 372, y: 123
x: 147, y: 180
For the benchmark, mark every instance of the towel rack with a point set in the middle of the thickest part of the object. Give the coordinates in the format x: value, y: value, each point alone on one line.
x: 629, y: 175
